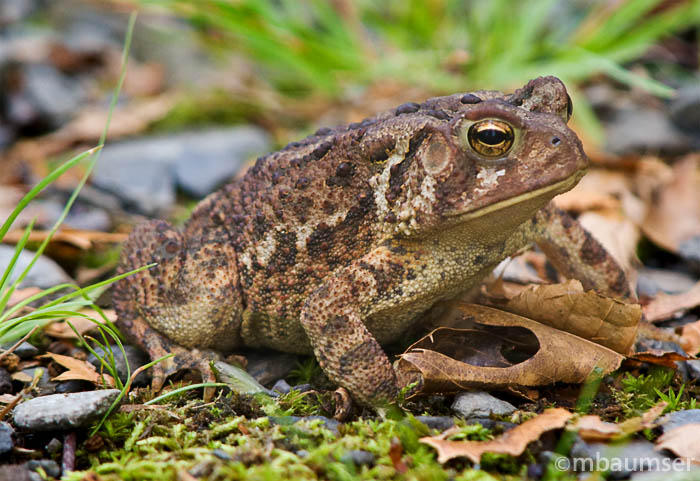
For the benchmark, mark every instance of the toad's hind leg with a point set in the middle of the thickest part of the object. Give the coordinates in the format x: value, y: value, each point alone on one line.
x: 187, y: 304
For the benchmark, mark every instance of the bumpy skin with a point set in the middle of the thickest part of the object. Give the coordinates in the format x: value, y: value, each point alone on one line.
x: 338, y: 243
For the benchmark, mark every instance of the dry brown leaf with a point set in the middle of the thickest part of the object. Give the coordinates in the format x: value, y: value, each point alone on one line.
x: 593, y: 429
x: 683, y: 441
x: 664, y: 306
x: 78, y: 370
x: 690, y: 338
x: 659, y: 357
x: 482, y: 347
x: 21, y: 294
x: 674, y: 213
x: 7, y: 398
x: 22, y: 377
x: 568, y: 307
x: 62, y: 330
x: 512, y: 442
x: 619, y: 235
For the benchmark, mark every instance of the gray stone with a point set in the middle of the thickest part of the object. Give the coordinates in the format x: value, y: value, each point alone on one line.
x: 621, y: 459
x: 135, y: 357
x: 24, y: 350
x: 45, y: 273
x: 281, y: 386
x: 303, y: 387
x: 5, y: 381
x: 650, y: 281
x: 73, y: 385
x: 54, y: 96
x: 676, y: 419
x: 213, y: 157
x: 45, y: 385
x: 13, y: 11
x: 689, y: 250
x: 358, y: 457
x: 267, y: 367
x: 441, y: 423
x: 644, y: 130
x: 63, y: 411
x: 685, y: 108
x: 477, y: 403
x: 54, y: 447
x: 6, y: 441
x: 693, y: 369
x: 50, y: 467
x: 144, y: 172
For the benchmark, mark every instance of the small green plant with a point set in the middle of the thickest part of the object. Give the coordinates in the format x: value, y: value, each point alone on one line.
x: 306, y: 371
x: 642, y: 392
x: 674, y: 401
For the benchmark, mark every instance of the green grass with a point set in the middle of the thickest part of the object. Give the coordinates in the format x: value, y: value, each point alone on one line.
x: 310, y: 48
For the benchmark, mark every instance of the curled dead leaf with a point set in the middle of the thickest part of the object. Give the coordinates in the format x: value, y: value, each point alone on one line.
x: 512, y: 442
x: 683, y: 441
x: 690, y: 338
x: 664, y: 306
x: 482, y: 347
x: 568, y: 307
x: 78, y: 370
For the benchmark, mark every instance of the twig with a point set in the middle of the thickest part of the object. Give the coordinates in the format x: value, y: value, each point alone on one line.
x: 68, y: 462
x: 16, y: 345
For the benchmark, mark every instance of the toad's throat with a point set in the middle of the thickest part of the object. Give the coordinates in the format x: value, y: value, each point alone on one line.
x: 533, y: 197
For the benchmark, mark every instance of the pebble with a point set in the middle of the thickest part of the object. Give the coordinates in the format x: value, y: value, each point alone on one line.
x: 693, y: 368
x: 676, y: 419
x: 44, y: 274
x: 24, y: 350
x: 685, y: 109
x: 358, y: 457
x: 73, y: 385
x: 63, y: 411
x: 144, y: 172
x: 441, y: 423
x: 266, y: 367
x: 302, y: 388
x: 630, y: 457
x: 281, y: 386
x: 644, y: 130
x: 134, y: 356
x: 689, y: 250
x: 650, y: 281
x: 45, y: 385
x: 50, y: 467
x: 328, y: 423
x: 5, y: 381
x: 477, y: 403
x: 6, y: 435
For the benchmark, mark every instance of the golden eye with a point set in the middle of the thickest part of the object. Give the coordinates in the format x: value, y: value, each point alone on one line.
x: 491, y: 138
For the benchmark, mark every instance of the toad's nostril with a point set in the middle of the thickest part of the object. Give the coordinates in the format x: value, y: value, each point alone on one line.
x: 556, y: 141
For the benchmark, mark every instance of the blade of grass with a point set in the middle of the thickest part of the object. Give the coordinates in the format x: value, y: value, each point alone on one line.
x: 13, y: 262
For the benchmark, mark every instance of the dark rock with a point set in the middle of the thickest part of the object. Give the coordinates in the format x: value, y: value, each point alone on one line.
x: 54, y: 447
x: 6, y: 441
x: 689, y: 250
x: 213, y: 157
x: 73, y: 385
x: 677, y: 419
x: 358, y: 457
x: 134, y: 356
x: 5, y: 382
x: 693, y: 369
x: 491, y: 424
x: 45, y: 385
x: 281, y: 387
x: 685, y: 109
x: 650, y: 281
x: 330, y: 424
x: 44, y: 274
x: 144, y: 172
x: 644, y: 130
x: 441, y: 423
x: 221, y: 454
x: 50, y: 467
x: 63, y: 411
x: 476, y: 403
x: 620, y: 459
x: 267, y: 367
x: 302, y: 388
x: 24, y: 350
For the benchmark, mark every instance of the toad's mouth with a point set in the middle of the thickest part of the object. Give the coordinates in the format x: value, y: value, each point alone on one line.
x: 527, y: 203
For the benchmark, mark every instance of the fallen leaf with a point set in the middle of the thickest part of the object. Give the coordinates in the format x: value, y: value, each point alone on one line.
x: 395, y: 454
x: 674, y: 214
x: 62, y: 330
x: 690, y: 338
x: 482, y: 347
x: 619, y: 235
x: 593, y: 429
x: 512, y: 442
x: 82, y: 239
x: 78, y: 370
x: 664, y: 306
x: 659, y: 357
x: 21, y: 294
x: 568, y: 307
x: 683, y: 441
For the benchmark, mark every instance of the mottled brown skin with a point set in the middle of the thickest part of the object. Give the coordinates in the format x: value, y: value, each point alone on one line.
x: 338, y: 243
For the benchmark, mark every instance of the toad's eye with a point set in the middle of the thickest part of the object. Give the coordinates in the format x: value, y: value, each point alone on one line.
x: 491, y: 138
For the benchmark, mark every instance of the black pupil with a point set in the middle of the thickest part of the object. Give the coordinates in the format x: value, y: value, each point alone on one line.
x: 491, y: 136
